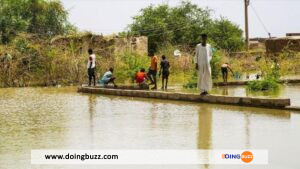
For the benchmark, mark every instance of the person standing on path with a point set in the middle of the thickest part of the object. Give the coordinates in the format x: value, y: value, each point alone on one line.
x: 91, y: 67
x: 153, y: 70
x: 164, y: 70
x: 202, y: 60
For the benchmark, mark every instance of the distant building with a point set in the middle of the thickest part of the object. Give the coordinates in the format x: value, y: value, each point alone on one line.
x: 292, y: 34
x: 276, y: 45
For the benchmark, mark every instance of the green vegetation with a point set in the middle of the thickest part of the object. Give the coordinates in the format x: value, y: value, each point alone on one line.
x: 192, y: 82
x: 215, y: 64
x: 260, y: 85
x: 182, y: 25
x: 42, y: 17
x: 128, y: 64
x: 31, y: 61
x: 39, y: 47
x: 270, y: 78
x: 226, y: 35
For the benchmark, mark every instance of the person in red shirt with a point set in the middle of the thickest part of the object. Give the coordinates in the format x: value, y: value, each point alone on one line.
x: 141, y: 77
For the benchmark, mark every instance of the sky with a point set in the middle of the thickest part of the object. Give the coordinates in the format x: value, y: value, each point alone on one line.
x: 111, y: 16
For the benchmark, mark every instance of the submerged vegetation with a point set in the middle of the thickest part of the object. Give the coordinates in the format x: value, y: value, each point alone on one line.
x: 271, y: 76
x: 261, y: 85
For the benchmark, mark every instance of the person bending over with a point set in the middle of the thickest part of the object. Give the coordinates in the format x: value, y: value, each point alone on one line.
x: 141, y: 78
x: 224, y: 69
x: 108, y: 78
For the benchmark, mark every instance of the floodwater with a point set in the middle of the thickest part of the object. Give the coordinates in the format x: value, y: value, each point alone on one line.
x: 60, y: 118
x: 291, y: 91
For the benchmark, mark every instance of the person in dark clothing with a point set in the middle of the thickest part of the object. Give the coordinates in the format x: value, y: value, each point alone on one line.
x: 164, y: 70
x: 91, y: 67
x: 224, y: 69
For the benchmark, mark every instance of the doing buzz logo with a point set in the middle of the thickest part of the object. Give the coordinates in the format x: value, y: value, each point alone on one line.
x: 246, y: 156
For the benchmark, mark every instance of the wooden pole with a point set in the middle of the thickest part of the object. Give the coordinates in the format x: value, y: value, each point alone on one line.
x: 247, y: 24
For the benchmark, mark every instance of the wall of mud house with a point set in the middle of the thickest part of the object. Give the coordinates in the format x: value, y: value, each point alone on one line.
x: 105, y: 46
x: 281, y: 44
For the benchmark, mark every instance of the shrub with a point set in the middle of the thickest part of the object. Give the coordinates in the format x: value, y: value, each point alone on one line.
x: 127, y: 64
x: 192, y: 82
x: 260, y: 85
x: 215, y: 64
x: 270, y: 82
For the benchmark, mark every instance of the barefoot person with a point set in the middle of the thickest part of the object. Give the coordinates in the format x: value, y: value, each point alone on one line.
x: 164, y: 70
x: 153, y: 70
x: 224, y: 69
x: 108, y: 78
x: 91, y: 67
x: 202, y: 61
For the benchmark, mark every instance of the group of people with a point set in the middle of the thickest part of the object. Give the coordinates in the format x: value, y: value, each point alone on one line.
x: 141, y: 76
x: 202, y: 64
x: 91, y: 65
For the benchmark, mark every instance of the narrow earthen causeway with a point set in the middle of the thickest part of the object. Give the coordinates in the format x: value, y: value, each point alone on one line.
x: 279, y: 103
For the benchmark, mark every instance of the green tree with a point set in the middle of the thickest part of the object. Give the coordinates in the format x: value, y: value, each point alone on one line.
x: 46, y: 17
x: 226, y: 35
x: 11, y: 19
x: 183, y: 25
x: 152, y: 23
x: 33, y: 16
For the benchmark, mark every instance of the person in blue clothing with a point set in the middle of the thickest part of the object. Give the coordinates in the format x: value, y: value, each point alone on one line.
x: 108, y: 78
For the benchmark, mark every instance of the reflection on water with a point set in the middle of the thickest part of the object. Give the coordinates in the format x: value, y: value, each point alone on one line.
x: 243, y: 91
x: 225, y: 90
x: 285, y: 91
x: 205, y: 122
x: 291, y: 91
x: 92, y: 112
x: 51, y: 118
x: 204, y: 131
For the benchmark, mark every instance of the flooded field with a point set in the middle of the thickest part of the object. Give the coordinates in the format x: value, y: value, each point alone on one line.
x: 61, y: 118
x: 291, y: 91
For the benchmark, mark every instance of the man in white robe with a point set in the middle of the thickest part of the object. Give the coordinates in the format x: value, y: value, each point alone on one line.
x: 202, y: 61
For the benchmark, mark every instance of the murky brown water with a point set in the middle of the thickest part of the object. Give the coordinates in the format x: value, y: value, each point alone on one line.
x: 291, y: 91
x: 52, y: 118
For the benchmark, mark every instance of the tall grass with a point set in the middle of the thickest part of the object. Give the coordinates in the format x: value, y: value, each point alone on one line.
x: 38, y: 62
x: 46, y: 64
